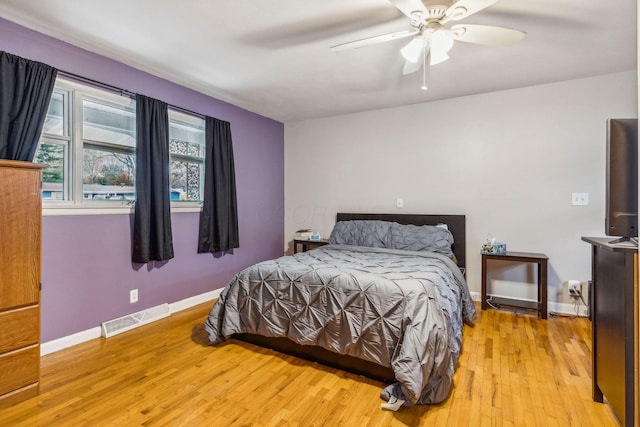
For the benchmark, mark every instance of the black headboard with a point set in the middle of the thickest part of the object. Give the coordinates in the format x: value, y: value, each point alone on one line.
x: 455, y: 223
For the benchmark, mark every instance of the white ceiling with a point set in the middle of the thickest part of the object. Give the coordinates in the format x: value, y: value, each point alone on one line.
x: 273, y: 57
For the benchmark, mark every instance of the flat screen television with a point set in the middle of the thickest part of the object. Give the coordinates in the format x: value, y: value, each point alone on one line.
x: 622, y: 179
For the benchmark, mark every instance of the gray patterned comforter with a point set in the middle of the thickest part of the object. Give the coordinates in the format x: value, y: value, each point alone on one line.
x: 400, y: 309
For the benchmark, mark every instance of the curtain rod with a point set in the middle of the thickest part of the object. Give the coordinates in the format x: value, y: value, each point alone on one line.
x: 121, y: 91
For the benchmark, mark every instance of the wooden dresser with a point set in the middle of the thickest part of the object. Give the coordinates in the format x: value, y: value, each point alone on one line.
x: 20, y: 224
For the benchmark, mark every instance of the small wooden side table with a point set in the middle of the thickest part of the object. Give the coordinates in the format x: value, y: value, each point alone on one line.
x: 524, y: 257
x: 307, y: 245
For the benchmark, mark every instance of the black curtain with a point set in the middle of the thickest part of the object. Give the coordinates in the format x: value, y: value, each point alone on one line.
x: 152, y: 239
x: 25, y: 92
x: 219, y: 216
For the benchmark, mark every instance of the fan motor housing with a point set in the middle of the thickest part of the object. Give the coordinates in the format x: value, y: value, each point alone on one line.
x: 436, y: 12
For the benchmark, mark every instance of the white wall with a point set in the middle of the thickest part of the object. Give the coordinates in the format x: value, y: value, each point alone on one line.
x: 507, y: 160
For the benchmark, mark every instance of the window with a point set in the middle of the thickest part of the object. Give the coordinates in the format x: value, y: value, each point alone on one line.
x: 53, y: 149
x: 53, y: 154
x: 108, y: 149
x: 186, y: 148
x: 89, y: 139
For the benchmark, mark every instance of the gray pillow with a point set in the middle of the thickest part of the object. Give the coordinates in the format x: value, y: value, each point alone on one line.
x: 420, y: 238
x: 370, y: 233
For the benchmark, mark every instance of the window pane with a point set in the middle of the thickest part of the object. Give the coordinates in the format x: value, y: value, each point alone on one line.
x: 108, y: 175
x: 186, y: 135
x: 54, y: 122
x: 108, y: 123
x: 53, y: 176
x: 185, y: 180
x: 185, y: 148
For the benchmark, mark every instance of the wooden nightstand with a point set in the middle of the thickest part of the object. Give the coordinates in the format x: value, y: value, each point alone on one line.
x: 525, y: 257
x: 307, y: 245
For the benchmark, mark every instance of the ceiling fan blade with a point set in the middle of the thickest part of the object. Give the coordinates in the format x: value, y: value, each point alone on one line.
x: 485, y: 34
x: 464, y: 8
x: 409, y: 6
x: 374, y: 40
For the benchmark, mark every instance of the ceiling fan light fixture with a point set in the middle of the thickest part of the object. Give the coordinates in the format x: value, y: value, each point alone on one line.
x: 411, y: 52
x: 442, y: 41
x: 438, y: 57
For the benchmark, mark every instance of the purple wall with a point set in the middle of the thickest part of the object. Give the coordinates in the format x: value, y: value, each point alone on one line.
x: 86, y: 267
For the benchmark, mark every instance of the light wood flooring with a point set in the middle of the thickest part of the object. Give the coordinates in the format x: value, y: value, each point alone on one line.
x: 515, y: 370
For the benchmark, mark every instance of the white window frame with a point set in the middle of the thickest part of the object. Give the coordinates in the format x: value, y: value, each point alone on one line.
x: 102, y: 97
x: 65, y: 141
x: 72, y: 140
x: 196, y: 122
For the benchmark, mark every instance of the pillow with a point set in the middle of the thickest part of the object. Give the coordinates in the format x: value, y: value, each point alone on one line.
x: 420, y: 238
x: 370, y: 233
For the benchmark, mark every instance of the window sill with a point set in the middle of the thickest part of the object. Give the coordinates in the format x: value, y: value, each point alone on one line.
x: 70, y: 210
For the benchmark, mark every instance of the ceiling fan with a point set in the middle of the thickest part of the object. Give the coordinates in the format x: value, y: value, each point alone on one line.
x: 431, y: 38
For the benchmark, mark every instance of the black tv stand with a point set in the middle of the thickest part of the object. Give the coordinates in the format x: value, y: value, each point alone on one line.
x: 614, y: 308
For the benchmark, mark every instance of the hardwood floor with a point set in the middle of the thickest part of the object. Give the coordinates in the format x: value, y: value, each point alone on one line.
x: 515, y: 370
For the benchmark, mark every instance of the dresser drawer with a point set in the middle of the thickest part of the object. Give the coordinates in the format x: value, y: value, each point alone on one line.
x: 19, y: 328
x: 19, y: 368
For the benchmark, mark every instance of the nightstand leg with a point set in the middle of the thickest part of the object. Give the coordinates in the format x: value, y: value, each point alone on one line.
x: 483, y: 295
x: 542, y: 287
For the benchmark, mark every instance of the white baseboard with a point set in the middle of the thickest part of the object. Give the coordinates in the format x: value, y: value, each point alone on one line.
x: 70, y: 340
x: 195, y: 300
x: 568, y: 309
x: 94, y: 333
x: 552, y: 307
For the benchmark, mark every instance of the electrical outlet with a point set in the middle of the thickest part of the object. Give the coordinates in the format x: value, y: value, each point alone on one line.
x: 133, y: 296
x: 399, y: 203
x: 580, y: 199
x: 575, y: 288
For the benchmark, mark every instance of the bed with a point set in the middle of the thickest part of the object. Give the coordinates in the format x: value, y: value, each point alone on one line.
x: 386, y: 298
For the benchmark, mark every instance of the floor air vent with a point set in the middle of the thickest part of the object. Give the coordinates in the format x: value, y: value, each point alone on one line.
x: 130, y: 321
